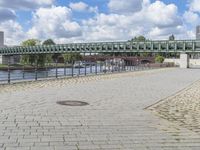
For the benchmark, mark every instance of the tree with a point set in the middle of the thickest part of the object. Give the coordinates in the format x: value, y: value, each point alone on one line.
x: 71, y: 57
x: 159, y: 59
x: 29, y: 59
x: 48, y: 42
x: 24, y: 59
x: 41, y: 59
x: 31, y: 42
x: 48, y: 57
x: 51, y: 42
x: 172, y: 37
x: 67, y: 57
x: 139, y: 39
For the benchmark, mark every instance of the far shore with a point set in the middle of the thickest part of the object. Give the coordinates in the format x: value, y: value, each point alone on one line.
x: 29, y: 67
x: 61, y: 65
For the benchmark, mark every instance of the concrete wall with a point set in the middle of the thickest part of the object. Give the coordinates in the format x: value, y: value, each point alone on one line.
x: 4, y: 59
x: 192, y: 62
x: 1, y: 59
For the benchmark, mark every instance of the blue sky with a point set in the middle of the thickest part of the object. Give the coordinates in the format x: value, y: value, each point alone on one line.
x: 97, y: 20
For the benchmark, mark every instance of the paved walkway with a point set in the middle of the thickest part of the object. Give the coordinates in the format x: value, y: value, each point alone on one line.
x: 183, y: 108
x: 115, y: 118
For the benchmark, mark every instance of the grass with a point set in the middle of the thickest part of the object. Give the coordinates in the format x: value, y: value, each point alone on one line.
x: 1, y: 65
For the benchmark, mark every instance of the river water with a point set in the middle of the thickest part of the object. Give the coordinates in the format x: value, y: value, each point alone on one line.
x: 20, y: 75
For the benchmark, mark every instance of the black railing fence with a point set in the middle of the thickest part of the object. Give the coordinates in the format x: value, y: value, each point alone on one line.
x: 11, y: 75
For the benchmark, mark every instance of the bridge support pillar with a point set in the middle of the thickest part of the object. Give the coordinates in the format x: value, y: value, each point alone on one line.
x: 184, y: 60
x: 4, y: 59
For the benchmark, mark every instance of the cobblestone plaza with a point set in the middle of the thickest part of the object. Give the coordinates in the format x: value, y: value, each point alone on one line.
x: 147, y: 110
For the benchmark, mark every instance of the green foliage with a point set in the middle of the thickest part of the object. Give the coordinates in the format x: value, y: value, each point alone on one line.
x: 159, y: 59
x: 40, y: 59
x: 71, y: 57
x: 24, y: 59
x: 31, y: 42
x: 48, y: 42
x: 29, y: 59
x: 51, y: 57
x: 48, y: 58
x: 139, y: 39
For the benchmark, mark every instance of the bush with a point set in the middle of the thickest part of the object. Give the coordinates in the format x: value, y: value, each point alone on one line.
x: 159, y: 59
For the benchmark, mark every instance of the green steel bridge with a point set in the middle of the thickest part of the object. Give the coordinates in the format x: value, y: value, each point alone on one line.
x: 164, y: 46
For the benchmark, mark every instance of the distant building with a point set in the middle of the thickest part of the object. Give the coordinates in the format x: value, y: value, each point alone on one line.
x: 4, y: 59
x: 198, y: 32
x: 1, y: 45
x: 1, y: 39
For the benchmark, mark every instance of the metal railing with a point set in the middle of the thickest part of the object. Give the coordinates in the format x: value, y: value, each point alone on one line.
x: 11, y: 76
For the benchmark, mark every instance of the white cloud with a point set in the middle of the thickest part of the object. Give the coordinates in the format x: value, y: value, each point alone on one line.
x: 7, y: 14
x: 163, y: 15
x: 160, y: 33
x: 194, y: 5
x: 25, y: 4
x: 125, y: 6
x: 191, y: 18
x: 14, y: 33
x: 45, y: 2
x: 153, y: 20
x: 80, y: 6
x: 83, y: 7
x: 54, y: 22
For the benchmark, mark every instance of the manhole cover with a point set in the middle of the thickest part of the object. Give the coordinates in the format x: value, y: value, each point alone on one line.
x: 72, y: 103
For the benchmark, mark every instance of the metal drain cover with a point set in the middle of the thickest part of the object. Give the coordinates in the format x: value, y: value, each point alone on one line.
x: 72, y: 103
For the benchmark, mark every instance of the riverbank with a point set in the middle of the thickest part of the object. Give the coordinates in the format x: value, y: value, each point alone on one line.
x: 29, y: 67
x: 61, y: 65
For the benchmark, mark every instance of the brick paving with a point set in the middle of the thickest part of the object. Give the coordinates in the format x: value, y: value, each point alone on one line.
x: 183, y: 108
x: 115, y: 118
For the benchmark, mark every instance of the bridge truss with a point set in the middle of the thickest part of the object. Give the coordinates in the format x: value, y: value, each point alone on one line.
x: 177, y: 46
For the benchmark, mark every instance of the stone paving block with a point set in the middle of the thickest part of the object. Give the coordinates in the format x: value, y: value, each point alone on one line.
x: 66, y: 148
x: 17, y: 148
x: 115, y: 118
x: 42, y: 148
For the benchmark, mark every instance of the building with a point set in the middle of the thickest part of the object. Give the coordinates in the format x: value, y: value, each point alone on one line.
x: 198, y: 32
x: 1, y: 45
x: 4, y: 59
x: 1, y: 39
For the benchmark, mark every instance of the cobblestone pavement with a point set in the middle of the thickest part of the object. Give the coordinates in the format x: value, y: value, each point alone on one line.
x: 115, y: 118
x: 183, y: 108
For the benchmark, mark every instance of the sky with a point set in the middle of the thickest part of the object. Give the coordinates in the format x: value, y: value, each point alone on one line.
x: 71, y: 21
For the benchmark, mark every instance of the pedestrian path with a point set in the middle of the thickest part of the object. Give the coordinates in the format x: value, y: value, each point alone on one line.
x: 117, y: 117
